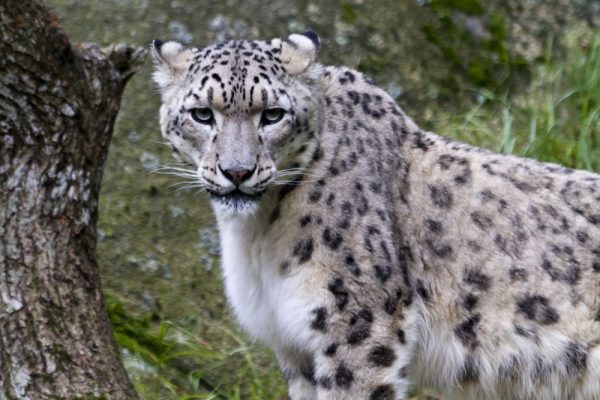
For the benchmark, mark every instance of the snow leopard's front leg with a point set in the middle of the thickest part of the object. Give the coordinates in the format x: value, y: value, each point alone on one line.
x: 298, y: 370
x: 368, y: 357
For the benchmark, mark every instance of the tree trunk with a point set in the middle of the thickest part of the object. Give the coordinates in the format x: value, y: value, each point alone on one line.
x: 58, y: 104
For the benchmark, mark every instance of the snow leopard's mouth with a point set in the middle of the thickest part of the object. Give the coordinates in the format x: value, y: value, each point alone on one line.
x: 236, y: 197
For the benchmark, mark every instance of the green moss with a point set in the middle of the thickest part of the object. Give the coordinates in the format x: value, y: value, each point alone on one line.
x: 478, y: 72
x: 470, y: 7
x: 349, y: 15
x: 443, y: 43
x: 497, y: 42
x: 373, y: 65
x: 485, y: 61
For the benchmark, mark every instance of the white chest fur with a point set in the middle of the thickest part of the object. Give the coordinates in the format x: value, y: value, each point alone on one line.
x: 248, y: 275
x: 269, y: 306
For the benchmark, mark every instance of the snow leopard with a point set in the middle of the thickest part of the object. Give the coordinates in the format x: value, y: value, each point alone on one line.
x: 373, y: 257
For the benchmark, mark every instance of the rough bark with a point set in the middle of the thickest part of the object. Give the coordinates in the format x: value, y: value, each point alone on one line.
x: 58, y: 104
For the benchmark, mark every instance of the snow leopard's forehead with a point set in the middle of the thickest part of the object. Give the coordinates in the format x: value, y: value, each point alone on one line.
x: 239, y: 55
x: 237, y: 75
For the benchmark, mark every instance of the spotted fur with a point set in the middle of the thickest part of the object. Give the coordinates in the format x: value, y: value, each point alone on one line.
x: 372, y: 256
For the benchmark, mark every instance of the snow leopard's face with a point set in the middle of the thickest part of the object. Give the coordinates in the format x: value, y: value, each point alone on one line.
x: 242, y: 112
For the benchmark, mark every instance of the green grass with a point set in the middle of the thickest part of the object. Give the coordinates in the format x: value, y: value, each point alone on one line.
x: 165, y: 361
x: 557, y: 119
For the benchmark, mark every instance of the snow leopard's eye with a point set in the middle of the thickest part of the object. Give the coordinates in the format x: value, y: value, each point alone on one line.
x: 271, y: 116
x: 202, y: 115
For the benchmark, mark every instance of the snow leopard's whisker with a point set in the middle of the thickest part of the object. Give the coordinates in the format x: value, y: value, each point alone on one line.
x: 189, y: 187
x: 174, y: 165
x: 179, y: 174
x: 183, y: 188
x: 163, y: 168
x: 294, y: 173
x: 293, y: 178
x: 278, y: 174
x: 299, y: 169
x: 176, y: 171
x: 185, y: 183
x: 294, y: 183
x: 296, y: 169
x: 160, y: 142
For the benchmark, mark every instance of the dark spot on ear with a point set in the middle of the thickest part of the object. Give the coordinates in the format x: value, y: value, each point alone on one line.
x: 381, y: 356
x: 157, y: 43
x: 313, y: 38
x: 383, y: 392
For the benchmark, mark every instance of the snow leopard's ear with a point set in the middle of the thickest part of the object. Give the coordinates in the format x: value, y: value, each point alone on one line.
x: 171, y: 61
x: 299, y: 51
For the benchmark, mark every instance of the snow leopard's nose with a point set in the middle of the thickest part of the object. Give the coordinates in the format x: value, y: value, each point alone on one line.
x: 237, y: 175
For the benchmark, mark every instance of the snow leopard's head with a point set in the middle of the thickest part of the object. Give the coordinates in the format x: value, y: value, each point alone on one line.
x: 245, y: 114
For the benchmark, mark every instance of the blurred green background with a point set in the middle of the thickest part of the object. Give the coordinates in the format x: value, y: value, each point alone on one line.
x: 516, y: 76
